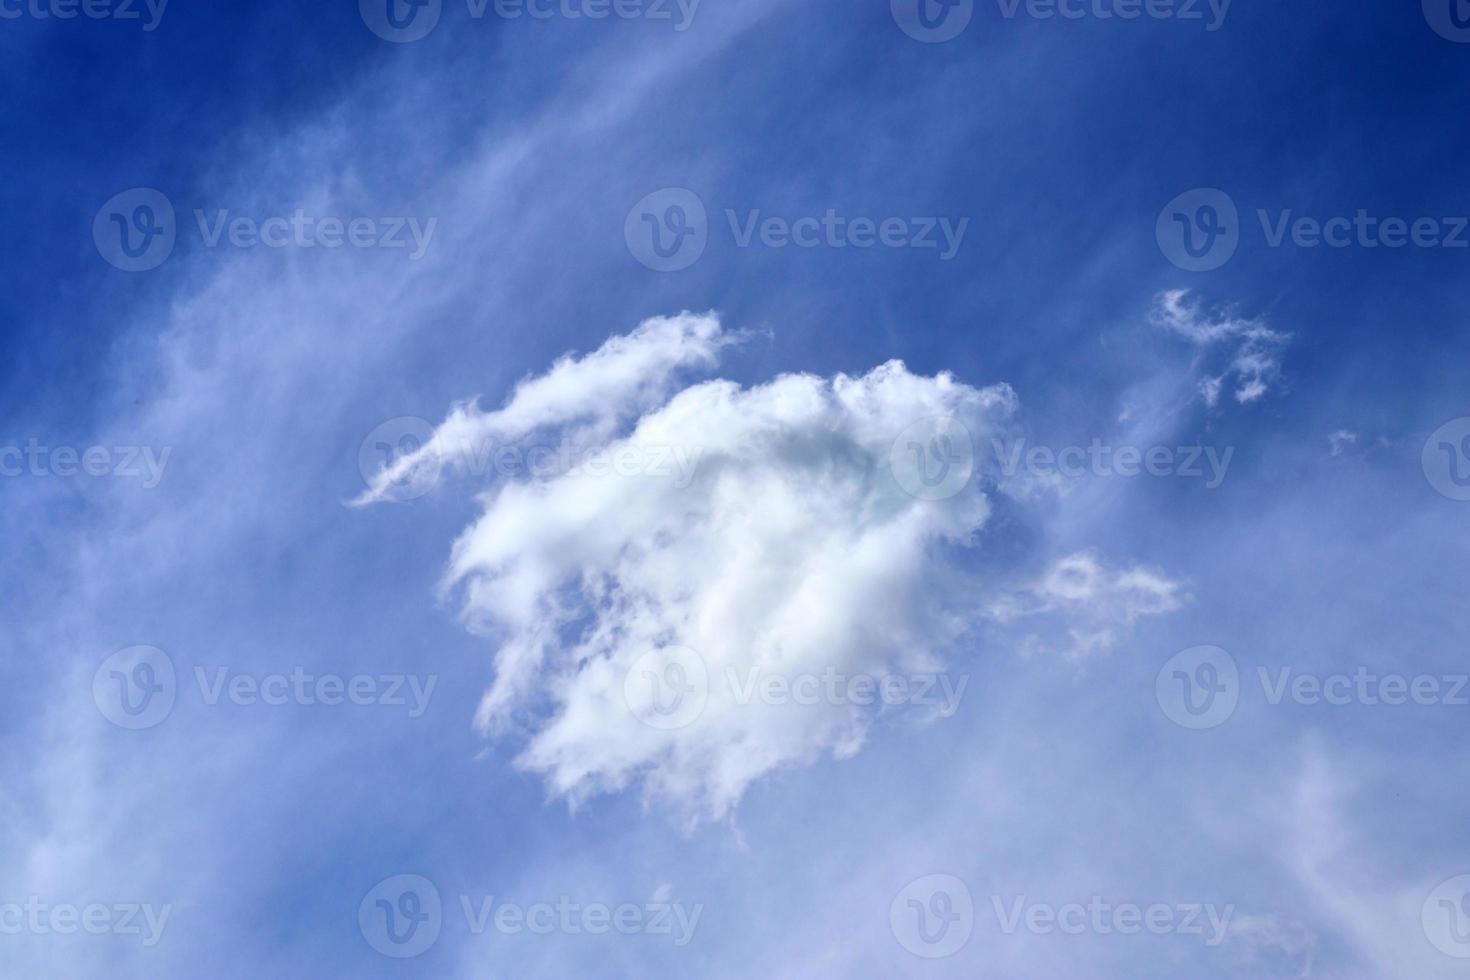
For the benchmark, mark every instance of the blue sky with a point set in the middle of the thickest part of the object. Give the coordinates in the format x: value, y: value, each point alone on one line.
x: 1304, y: 524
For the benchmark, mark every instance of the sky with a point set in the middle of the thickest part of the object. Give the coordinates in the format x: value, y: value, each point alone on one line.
x: 547, y: 488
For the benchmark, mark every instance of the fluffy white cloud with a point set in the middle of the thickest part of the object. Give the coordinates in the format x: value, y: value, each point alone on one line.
x: 733, y: 580
x: 1253, y: 347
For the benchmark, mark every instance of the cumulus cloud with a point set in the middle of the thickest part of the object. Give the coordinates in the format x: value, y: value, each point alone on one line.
x: 1082, y: 606
x: 688, y: 630
x: 1252, y: 349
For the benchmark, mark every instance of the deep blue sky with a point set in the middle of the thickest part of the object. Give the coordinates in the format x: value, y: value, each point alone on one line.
x: 528, y: 142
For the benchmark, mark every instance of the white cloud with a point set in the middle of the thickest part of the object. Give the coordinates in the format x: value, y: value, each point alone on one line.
x: 1083, y: 605
x: 1253, y: 347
